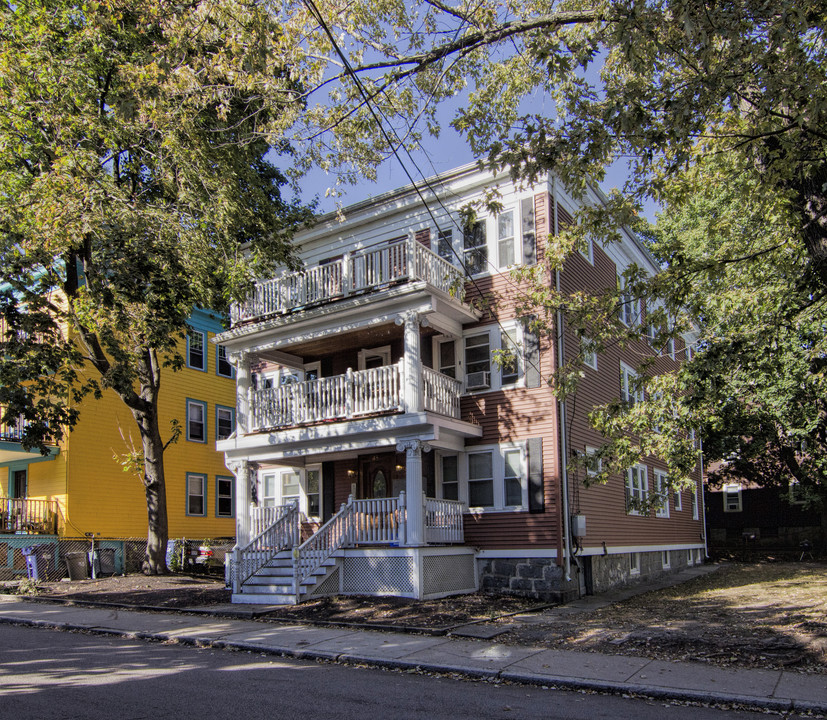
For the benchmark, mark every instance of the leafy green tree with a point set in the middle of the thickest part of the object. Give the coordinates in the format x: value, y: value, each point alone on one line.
x: 137, y: 142
x: 665, y: 84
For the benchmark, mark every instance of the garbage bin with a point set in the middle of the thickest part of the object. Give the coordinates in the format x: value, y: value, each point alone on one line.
x: 30, y: 553
x: 102, y: 561
x: 76, y: 566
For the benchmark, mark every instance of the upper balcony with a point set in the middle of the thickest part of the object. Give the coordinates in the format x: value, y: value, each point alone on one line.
x: 365, y: 271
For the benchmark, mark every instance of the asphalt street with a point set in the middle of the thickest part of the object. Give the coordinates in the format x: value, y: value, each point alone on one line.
x: 52, y: 675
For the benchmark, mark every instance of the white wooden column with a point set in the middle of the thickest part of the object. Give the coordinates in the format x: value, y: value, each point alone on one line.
x: 412, y: 392
x: 244, y: 473
x: 414, y: 490
x: 243, y: 378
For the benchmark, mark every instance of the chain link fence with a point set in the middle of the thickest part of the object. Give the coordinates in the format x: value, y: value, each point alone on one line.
x: 56, y: 555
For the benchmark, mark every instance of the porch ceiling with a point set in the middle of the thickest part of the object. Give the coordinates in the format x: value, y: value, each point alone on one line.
x: 12, y: 452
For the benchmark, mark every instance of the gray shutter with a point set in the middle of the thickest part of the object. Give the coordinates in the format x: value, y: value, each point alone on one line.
x: 536, y: 494
x: 531, y: 345
x: 529, y: 232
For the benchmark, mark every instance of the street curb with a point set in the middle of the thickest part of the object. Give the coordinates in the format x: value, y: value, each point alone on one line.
x: 564, y: 683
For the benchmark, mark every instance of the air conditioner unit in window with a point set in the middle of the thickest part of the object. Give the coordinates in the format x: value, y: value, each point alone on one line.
x: 478, y: 380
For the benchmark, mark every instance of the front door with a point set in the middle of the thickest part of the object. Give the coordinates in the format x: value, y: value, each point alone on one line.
x: 19, y: 489
x: 376, y: 475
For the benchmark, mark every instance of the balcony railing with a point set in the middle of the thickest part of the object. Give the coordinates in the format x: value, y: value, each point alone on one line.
x: 21, y: 515
x: 12, y: 431
x: 352, y: 395
x: 441, y: 393
x: 366, y: 392
x: 359, y: 272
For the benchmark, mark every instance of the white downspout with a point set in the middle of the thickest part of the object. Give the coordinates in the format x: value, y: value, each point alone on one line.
x: 562, y: 404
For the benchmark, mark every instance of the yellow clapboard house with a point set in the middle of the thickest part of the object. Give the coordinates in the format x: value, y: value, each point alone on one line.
x: 80, y: 488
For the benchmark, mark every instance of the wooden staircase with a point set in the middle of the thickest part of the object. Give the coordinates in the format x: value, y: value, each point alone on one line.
x: 274, y: 582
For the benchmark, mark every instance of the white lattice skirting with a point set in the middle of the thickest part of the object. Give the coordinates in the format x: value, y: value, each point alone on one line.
x: 421, y: 573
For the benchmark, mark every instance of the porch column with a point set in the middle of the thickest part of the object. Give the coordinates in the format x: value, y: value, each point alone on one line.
x: 412, y: 364
x: 414, y: 490
x: 244, y: 473
x: 243, y: 421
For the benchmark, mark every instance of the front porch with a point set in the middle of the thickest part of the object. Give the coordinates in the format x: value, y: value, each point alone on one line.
x: 23, y: 516
x: 369, y: 547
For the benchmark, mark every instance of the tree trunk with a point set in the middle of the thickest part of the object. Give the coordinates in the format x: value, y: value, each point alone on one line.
x: 156, y: 496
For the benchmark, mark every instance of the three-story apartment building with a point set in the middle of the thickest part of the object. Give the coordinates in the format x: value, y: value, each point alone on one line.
x: 383, y: 447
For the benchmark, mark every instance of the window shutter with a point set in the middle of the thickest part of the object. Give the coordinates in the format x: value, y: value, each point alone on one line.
x: 529, y: 232
x: 536, y: 494
x: 531, y: 345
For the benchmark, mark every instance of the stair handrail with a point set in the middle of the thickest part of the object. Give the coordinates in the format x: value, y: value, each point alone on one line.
x: 282, y: 534
x: 335, y: 534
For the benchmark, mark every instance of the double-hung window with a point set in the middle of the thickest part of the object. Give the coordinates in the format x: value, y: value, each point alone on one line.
x: 196, y: 352
x: 224, y: 503
x: 732, y: 498
x: 629, y: 306
x: 497, y: 478
x: 223, y: 367
x: 196, y: 421
x: 637, y: 488
x: 481, y: 350
x: 478, y: 361
x: 224, y: 422
x: 589, y: 355
x: 449, y: 469
x: 629, y: 391
x: 297, y: 485
x: 475, y: 248
x: 505, y: 239
x: 662, y: 494
x: 481, y: 479
x: 594, y: 464
x: 447, y: 358
x: 445, y: 244
x: 196, y: 494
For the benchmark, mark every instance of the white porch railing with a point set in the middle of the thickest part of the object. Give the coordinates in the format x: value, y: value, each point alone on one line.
x: 442, y: 393
x: 282, y: 534
x: 443, y: 521
x: 263, y: 517
x: 379, y: 521
x: 339, y: 397
x: 362, y: 271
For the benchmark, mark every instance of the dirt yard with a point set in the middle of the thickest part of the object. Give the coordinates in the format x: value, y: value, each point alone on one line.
x: 768, y: 615
x: 762, y: 615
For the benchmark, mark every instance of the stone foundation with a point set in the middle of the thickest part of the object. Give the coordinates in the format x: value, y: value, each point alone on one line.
x: 542, y: 578
x: 539, y: 578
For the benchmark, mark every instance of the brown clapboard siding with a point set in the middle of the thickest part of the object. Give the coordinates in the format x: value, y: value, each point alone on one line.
x: 516, y: 414
x: 604, y: 506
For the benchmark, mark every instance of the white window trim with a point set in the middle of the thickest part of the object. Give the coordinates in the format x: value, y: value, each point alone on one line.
x: 640, y: 489
x: 661, y: 490
x: 634, y: 563
x: 439, y: 475
x: 492, y: 240
x: 666, y: 559
x: 729, y: 490
x: 677, y: 500
x: 593, y: 471
x: 495, y: 343
x: 278, y: 473
x: 627, y: 375
x: 630, y: 309
x: 695, y: 512
x: 383, y: 352
x: 498, y: 470
x: 589, y: 356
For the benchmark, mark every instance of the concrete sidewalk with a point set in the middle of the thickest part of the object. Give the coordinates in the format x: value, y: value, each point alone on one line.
x: 763, y: 689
